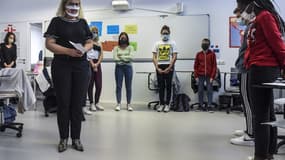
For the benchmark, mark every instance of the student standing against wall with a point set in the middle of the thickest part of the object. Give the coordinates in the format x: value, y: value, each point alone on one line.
x: 164, y: 58
x: 70, y: 68
x: 245, y: 137
x: 263, y: 58
x: 123, y: 56
x: 205, y: 68
x: 8, y: 51
x: 95, y: 57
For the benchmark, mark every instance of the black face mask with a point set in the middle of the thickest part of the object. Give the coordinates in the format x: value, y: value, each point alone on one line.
x: 205, y: 46
x: 123, y: 41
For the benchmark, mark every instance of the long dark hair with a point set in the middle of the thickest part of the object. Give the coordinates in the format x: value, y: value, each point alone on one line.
x: 267, y: 5
x: 124, y: 33
x: 6, y: 39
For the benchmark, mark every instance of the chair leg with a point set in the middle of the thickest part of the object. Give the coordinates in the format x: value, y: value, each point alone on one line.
x: 14, y: 126
x: 154, y: 103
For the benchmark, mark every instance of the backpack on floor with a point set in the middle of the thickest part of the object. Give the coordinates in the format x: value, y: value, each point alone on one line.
x: 182, y: 103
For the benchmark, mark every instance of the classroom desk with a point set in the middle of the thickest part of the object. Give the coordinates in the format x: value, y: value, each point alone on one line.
x: 276, y: 85
x: 18, y: 81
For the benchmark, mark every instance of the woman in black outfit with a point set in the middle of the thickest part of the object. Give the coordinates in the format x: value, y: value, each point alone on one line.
x: 70, y: 68
x: 8, y: 51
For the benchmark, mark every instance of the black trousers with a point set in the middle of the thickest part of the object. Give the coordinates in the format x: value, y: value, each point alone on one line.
x: 261, y: 100
x: 164, y: 82
x: 71, y: 79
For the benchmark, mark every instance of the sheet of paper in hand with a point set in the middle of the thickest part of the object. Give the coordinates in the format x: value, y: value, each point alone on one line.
x: 78, y: 46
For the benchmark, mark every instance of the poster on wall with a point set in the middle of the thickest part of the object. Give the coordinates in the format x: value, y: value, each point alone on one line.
x: 236, y: 33
x: 109, y: 45
x: 113, y: 29
x: 131, y: 29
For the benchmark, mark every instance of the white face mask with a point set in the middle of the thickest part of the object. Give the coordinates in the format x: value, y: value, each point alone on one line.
x: 72, y: 7
x: 248, y: 16
x: 95, y: 35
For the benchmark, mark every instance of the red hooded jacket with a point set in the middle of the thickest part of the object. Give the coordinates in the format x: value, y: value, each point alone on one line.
x: 205, y: 64
x: 265, y: 45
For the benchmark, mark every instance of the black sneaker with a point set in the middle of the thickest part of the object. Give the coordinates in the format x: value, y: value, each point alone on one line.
x: 200, y: 108
x: 76, y: 144
x: 62, y: 146
x: 210, y: 109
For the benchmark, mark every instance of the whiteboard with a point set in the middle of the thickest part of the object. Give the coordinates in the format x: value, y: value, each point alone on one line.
x: 186, y: 31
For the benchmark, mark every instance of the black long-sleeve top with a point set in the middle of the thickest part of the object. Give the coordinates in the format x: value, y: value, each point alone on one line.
x: 8, y: 55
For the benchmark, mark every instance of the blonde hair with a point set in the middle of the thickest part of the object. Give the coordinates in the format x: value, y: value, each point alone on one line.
x: 61, y: 9
x: 94, y: 29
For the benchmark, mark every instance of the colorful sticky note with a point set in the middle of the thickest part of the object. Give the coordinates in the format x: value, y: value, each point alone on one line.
x: 109, y: 45
x: 131, y: 29
x: 97, y: 24
x: 113, y: 29
x: 135, y: 45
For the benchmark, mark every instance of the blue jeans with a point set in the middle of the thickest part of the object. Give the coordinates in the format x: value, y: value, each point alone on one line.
x: 122, y: 71
x: 209, y: 86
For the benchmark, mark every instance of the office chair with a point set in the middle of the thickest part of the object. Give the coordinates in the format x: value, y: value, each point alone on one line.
x: 11, y: 125
x: 152, y: 86
x: 232, y: 99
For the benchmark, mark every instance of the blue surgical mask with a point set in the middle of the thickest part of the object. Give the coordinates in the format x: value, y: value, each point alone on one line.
x: 241, y: 21
x: 165, y: 37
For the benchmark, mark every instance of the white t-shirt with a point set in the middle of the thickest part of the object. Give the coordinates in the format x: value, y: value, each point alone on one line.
x: 93, y: 54
x: 164, y: 51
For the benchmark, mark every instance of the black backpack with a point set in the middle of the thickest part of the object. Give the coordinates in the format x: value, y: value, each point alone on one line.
x: 182, y: 103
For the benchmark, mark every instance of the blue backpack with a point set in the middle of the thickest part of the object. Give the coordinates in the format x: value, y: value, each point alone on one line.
x: 9, y: 113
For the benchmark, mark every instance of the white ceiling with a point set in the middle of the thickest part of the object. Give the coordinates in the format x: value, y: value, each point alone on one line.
x: 30, y: 9
x: 43, y: 4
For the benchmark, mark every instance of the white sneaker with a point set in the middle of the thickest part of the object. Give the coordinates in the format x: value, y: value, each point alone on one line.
x: 129, y: 107
x: 166, y: 108
x: 250, y: 158
x: 239, y: 133
x: 244, y: 140
x: 88, y: 103
x: 160, y: 108
x: 99, y: 107
x: 93, y: 107
x: 118, y: 107
x: 87, y: 111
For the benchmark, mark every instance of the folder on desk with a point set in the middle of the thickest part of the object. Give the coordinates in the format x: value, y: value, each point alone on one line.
x: 279, y: 123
